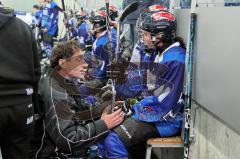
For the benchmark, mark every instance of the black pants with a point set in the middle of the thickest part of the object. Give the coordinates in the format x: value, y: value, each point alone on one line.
x: 133, y: 132
x: 134, y: 135
x: 16, y: 128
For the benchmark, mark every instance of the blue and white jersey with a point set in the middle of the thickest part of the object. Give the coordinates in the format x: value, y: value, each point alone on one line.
x: 138, y: 52
x: 134, y: 79
x: 100, y: 54
x: 73, y: 33
x: 49, y: 18
x: 136, y: 73
x: 72, y: 22
x: 83, y: 33
x: 140, y: 57
x: 164, y: 84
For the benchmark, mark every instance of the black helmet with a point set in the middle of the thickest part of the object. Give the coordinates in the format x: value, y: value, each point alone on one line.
x: 113, y: 12
x: 153, y: 9
x: 81, y: 16
x: 162, y: 22
x: 149, y: 10
x: 99, y: 19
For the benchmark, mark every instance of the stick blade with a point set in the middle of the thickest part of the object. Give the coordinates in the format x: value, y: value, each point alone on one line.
x: 128, y: 10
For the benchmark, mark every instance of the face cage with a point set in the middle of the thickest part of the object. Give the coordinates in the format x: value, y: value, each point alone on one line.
x: 141, y: 39
x: 141, y: 34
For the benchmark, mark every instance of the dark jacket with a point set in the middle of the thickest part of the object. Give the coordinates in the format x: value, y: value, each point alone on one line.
x: 19, y: 66
x: 69, y: 130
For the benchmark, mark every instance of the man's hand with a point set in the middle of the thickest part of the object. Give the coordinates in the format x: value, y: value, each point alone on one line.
x: 114, y: 119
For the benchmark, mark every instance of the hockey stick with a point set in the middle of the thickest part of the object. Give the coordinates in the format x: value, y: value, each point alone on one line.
x: 109, y: 30
x: 128, y: 10
x: 63, y: 5
x: 188, y: 91
x: 111, y: 82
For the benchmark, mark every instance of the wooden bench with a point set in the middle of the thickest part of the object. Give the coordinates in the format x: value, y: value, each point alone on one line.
x: 163, y: 142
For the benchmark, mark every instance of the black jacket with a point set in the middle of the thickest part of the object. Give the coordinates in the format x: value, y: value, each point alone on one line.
x: 19, y: 66
x: 69, y: 130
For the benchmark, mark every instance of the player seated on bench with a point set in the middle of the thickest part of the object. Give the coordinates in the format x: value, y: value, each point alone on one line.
x: 159, y: 113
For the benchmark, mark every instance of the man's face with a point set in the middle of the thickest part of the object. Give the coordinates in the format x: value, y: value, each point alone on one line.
x: 75, y: 66
x: 147, y: 39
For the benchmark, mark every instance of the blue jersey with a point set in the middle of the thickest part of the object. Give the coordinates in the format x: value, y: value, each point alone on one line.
x: 165, y: 86
x: 128, y: 88
x: 100, y: 54
x: 163, y: 105
x: 83, y: 33
x: 49, y: 18
x: 73, y: 33
x: 136, y: 73
x: 140, y: 57
x: 138, y: 52
x: 72, y: 22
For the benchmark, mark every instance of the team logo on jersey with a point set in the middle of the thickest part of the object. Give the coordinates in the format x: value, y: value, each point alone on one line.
x: 148, y: 108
